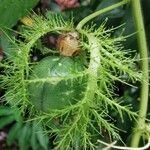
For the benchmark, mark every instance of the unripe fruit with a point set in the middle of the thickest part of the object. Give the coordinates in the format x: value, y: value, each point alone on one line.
x: 57, y: 83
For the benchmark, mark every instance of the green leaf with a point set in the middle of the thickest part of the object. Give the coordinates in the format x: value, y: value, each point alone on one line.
x: 6, y: 43
x: 4, y: 111
x: 128, y: 29
x: 12, y: 135
x: 11, y: 11
x: 34, y: 140
x: 6, y: 120
x: 43, y: 139
x: 24, y: 137
x: 115, y: 13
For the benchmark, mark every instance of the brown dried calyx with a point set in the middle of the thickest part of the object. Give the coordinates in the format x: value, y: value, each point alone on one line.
x: 69, y: 44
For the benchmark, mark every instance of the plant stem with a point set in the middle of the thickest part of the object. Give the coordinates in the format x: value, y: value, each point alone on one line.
x: 97, y: 13
x: 138, y: 18
x: 93, y: 68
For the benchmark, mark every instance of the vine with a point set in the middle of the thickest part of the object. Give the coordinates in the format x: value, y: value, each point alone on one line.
x: 97, y: 13
x: 136, y: 7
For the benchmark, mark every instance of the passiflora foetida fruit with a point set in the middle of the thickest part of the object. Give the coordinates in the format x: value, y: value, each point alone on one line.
x: 58, y: 81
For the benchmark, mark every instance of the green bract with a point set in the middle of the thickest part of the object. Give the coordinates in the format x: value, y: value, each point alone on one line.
x: 58, y: 82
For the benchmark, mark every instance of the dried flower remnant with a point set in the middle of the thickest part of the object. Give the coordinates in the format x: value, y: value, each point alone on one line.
x: 64, y: 4
x: 68, y: 44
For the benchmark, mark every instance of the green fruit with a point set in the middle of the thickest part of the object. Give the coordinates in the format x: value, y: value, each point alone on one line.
x: 57, y: 83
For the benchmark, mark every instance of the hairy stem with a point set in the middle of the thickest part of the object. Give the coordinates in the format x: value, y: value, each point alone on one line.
x: 92, y: 74
x: 93, y: 67
x: 97, y: 13
x: 138, y: 18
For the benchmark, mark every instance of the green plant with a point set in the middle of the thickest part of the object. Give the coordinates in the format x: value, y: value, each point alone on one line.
x: 27, y: 134
x: 85, y: 115
x: 18, y: 9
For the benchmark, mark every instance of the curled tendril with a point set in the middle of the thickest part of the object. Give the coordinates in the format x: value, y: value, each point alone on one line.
x: 112, y: 145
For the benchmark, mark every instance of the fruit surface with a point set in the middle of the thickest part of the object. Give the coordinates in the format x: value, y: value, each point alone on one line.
x: 56, y: 83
